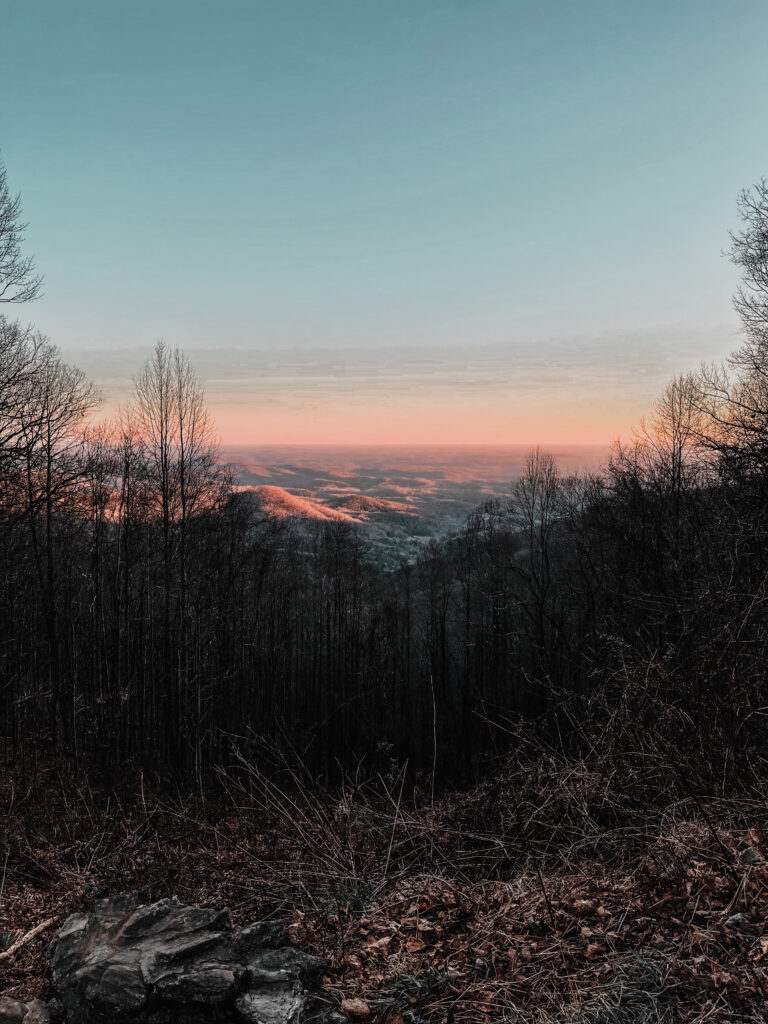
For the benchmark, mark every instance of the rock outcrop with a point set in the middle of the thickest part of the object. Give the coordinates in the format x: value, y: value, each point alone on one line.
x: 173, y: 964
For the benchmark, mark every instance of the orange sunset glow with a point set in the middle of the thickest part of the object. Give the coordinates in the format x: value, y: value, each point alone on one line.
x: 425, y: 419
x: 551, y: 391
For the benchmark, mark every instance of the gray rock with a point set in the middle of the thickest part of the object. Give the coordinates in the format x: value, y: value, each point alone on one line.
x: 280, y: 1003
x: 13, y: 1011
x: 173, y: 964
x: 210, y: 984
x: 259, y: 935
x: 275, y: 965
x: 37, y: 1012
x: 162, y: 956
x: 113, y: 986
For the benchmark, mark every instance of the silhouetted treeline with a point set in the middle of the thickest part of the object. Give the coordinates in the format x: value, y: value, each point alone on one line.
x: 150, y: 612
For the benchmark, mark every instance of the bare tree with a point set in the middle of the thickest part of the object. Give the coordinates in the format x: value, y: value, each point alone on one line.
x: 52, y: 424
x: 749, y: 251
x: 737, y: 393
x: 177, y: 435
x: 18, y: 280
x: 177, y: 439
x: 21, y: 353
x: 669, y: 451
x: 534, y: 510
x: 28, y: 365
x: 534, y: 498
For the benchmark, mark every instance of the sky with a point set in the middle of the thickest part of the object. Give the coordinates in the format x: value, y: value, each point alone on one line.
x: 389, y: 221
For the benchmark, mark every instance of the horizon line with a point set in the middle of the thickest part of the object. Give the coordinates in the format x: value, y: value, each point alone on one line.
x: 415, y: 444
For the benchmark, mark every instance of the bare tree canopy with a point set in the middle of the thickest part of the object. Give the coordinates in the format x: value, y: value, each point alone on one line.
x: 749, y: 251
x: 734, y: 396
x: 18, y: 280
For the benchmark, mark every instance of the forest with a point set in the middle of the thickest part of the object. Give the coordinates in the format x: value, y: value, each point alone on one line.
x: 155, y: 624
x: 152, y: 615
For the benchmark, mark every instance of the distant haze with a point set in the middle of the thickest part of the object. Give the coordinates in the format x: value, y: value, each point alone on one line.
x: 424, y: 462
x: 414, y: 489
x: 551, y: 391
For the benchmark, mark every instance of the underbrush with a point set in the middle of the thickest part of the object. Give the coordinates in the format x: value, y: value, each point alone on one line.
x: 562, y: 890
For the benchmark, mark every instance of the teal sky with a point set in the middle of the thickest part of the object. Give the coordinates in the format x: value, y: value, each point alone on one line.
x: 362, y: 177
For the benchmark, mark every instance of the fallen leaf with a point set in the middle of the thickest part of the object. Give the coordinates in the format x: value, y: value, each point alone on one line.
x: 357, y: 1009
x: 415, y: 944
x: 583, y: 908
